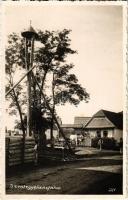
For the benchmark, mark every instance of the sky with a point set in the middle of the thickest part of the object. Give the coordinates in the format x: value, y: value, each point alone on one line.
x: 97, y: 35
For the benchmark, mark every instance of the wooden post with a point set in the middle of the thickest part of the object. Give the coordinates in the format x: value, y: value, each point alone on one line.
x: 24, y: 135
x: 9, y: 91
x: 7, y: 143
x: 29, y: 65
x: 28, y: 90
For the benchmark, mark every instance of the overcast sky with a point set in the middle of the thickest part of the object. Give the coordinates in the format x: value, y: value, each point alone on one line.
x: 97, y: 36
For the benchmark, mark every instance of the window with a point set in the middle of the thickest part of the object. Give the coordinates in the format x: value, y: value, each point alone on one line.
x: 98, y: 133
x: 105, y: 133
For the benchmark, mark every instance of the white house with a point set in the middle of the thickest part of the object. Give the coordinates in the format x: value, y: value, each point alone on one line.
x: 102, y: 124
x: 106, y: 124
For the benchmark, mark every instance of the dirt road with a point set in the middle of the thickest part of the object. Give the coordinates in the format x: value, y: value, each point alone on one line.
x: 97, y: 175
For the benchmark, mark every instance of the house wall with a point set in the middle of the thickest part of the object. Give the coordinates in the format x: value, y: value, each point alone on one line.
x: 115, y: 133
x: 88, y: 141
x: 93, y: 133
x: 110, y: 133
x: 118, y: 134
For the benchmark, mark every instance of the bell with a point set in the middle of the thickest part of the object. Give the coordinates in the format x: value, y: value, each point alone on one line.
x: 30, y: 33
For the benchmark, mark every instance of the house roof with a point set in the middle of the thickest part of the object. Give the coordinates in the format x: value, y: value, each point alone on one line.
x: 71, y: 125
x: 100, y: 122
x: 81, y: 120
x: 106, y: 119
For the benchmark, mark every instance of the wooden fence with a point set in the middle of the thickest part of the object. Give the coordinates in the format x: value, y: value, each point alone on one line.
x: 55, y: 154
x: 14, y: 151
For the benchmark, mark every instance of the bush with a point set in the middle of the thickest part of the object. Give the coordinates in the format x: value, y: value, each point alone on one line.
x: 94, y: 142
x: 107, y: 143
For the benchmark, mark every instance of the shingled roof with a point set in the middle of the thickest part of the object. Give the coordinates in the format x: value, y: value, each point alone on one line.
x: 81, y: 120
x: 71, y: 126
x: 106, y: 119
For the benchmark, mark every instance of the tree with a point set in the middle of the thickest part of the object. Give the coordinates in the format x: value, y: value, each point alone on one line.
x: 13, y: 64
x: 49, y: 59
x: 65, y: 89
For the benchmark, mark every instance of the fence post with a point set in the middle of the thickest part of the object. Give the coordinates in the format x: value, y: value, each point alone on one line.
x: 7, y: 151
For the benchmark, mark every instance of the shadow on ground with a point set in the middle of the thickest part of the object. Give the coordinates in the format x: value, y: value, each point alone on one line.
x: 69, y: 177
